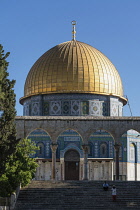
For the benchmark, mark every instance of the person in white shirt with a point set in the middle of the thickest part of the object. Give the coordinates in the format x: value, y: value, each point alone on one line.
x: 114, y: 193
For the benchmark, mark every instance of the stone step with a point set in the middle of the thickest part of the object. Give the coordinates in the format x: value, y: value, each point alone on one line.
x: 78, y: 195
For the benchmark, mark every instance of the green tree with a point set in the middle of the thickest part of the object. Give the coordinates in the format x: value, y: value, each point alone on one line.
x: 8, y: 139
x: 3, y: 66
x: 20, y: 169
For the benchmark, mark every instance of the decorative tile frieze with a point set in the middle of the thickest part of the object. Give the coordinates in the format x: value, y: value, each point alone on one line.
x: 73, y: 105
x: 65, y: 107
x: 114, y: 109
x: 120, y: 109
x: 75, y: 108
x: 72, y: 138
x: 35, y: 109
x: 96, y: 149
x: 46, y: 108
x: 55, y: 108
x: 36, y: 98
x: 26, y: 110
x: 47, y: 149
x: 111, y: 148
x: 75, y: 96
x: 105, y: 109
x: 94, y: 108
x: 84, y: 107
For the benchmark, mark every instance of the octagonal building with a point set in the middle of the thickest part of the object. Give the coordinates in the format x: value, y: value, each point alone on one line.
x: 86, y: 136
x: 73, y: 79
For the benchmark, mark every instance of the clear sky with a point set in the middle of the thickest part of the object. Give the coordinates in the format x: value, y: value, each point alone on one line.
x: 28, y: 28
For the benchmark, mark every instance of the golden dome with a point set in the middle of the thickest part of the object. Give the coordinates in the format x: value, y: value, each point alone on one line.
x: 73, y: 67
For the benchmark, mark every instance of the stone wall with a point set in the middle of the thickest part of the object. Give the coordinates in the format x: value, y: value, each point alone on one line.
x: 85, y: 126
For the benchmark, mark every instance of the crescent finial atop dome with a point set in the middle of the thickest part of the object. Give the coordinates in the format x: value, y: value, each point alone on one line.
x: 73, y: 31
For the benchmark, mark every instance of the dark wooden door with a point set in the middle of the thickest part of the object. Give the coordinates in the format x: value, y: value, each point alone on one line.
x: 71, y: 170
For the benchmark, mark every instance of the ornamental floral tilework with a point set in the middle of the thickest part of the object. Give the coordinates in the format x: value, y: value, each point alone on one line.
x: 85, y: 107
x: 35, y: 108
x: 66, y: 107
x: 55, y: 108
x: 75, y: 107
x: 46, y: 108
x: 95, y: 108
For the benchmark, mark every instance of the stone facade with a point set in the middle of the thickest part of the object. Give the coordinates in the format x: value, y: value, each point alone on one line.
x: 93, y: 138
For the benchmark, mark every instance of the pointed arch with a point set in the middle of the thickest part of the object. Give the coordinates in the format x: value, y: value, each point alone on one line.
x: 68, y: 139
x: 42, y: 139
x: 101, y: 144
x: 38, y: 130
x: 131, y: 145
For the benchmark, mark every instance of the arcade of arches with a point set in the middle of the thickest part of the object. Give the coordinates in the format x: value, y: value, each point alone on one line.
x: 84, y: 149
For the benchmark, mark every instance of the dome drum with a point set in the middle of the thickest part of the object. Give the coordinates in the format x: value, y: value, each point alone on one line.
x: 73, y: 105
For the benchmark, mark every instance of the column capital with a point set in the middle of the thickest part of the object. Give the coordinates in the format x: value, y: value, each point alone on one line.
x: 85, y: 147
x: 117, y: 146
x: 54, y: 147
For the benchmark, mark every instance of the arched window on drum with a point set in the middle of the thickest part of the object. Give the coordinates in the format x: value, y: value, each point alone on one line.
x: 103, y: 150
x: 40, y: 151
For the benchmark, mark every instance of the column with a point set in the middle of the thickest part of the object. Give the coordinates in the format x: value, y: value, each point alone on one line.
x: 117, y: 148
x: 53, y: 148
x: 85, y: 149
x: 112, y: 170
x: 90, y: 170
x: 62, y: 175
x: 135, y: 147
x: 39, y: 169
x: 81, y: 168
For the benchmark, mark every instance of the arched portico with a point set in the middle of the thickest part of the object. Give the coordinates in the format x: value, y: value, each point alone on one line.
x: 84, y: 126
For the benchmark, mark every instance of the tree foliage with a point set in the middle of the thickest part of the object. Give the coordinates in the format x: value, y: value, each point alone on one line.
x: 8, y: 139
x: 20, y: 168
x: 3, y: 68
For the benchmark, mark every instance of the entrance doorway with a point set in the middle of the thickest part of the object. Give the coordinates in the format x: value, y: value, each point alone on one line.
x: 71, y: 170
x: 72, y: 159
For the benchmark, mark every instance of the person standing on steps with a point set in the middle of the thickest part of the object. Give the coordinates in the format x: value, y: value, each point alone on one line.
x: 105, y: 186
x: 114, y: 193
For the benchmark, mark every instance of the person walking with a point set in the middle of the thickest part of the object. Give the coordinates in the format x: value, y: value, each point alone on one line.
x: 114, y: 193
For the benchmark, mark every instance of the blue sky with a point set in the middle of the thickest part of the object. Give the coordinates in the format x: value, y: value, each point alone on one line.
x: 29, y: 28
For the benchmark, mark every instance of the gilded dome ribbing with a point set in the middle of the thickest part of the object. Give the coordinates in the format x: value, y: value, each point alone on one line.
x: 73, y: 67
